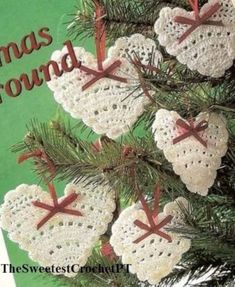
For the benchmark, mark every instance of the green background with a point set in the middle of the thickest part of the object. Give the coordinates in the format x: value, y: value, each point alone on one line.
x: 19, y: 18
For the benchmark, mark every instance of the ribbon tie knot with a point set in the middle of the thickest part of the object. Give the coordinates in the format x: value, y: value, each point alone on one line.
x: 57, y: 207
x: 153, y: 227
x: 199, y: 19
x: 191, y: 130
x: 100, y: 42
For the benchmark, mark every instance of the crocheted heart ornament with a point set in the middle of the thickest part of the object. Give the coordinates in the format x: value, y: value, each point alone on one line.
x: 153, y: 257
x: 63, y: 239
x: 194, y: 148
x: 203, y: 40
x: 108, y: 106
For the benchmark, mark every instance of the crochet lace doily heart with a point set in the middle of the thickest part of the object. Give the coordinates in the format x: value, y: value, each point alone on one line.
x: 108, y: 106
x: 65, y: 239
x: 154, y: 257
x: 195, y: 163
x: 209, y: 49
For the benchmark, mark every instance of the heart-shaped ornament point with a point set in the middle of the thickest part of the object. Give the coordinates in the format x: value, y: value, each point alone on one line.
x: 64, y: 239
x: 154, y: 257
x: 108, y: 106
x: 204, y: 40
x: 195, y: 150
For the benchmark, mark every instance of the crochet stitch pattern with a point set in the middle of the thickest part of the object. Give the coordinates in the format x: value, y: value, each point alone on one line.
x: 108, y: 106
x: 66, y: 239
x: 154, y: 257
x: 209, y: 49
x: 195, y: 163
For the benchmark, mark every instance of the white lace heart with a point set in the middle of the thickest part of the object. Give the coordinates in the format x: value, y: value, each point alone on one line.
x: 108, y: 106
x: 195, y: 163
x: 209, y: 49
x: 65, y: 239
x: 154, y: 257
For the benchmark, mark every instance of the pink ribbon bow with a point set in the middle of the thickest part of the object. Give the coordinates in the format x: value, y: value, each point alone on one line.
x: 191, y: 130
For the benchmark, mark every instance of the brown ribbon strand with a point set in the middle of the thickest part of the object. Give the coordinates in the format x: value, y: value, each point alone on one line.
x: 39, y: 153
x: 153, y: 227
x: 97, y: 73
x: 56, y: 207
x: 100, y: 42
x: 191, y: 130
x: 105, y: 73
x: 199, y: 20
x: 100, y: 34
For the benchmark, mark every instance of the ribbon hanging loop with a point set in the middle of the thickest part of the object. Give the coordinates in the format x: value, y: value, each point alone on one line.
x: 56, y: 207
x: 100, y: 43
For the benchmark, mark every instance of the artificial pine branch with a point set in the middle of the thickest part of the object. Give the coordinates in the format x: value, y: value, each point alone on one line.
x: 193, y: 271
x: 210, y: 225
x: 115, y: 163
x: 176, y: 88
x: 122, y: 17
x: 174, y: 80
x: 76, y: 159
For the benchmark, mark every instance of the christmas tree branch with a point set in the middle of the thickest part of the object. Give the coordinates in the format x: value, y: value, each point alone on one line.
x: 122, y: 17
x: 77, y: 159
x: 213, y: 216
x: 194, y: 273
x: 210, y: 226
x: 174, y: 87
